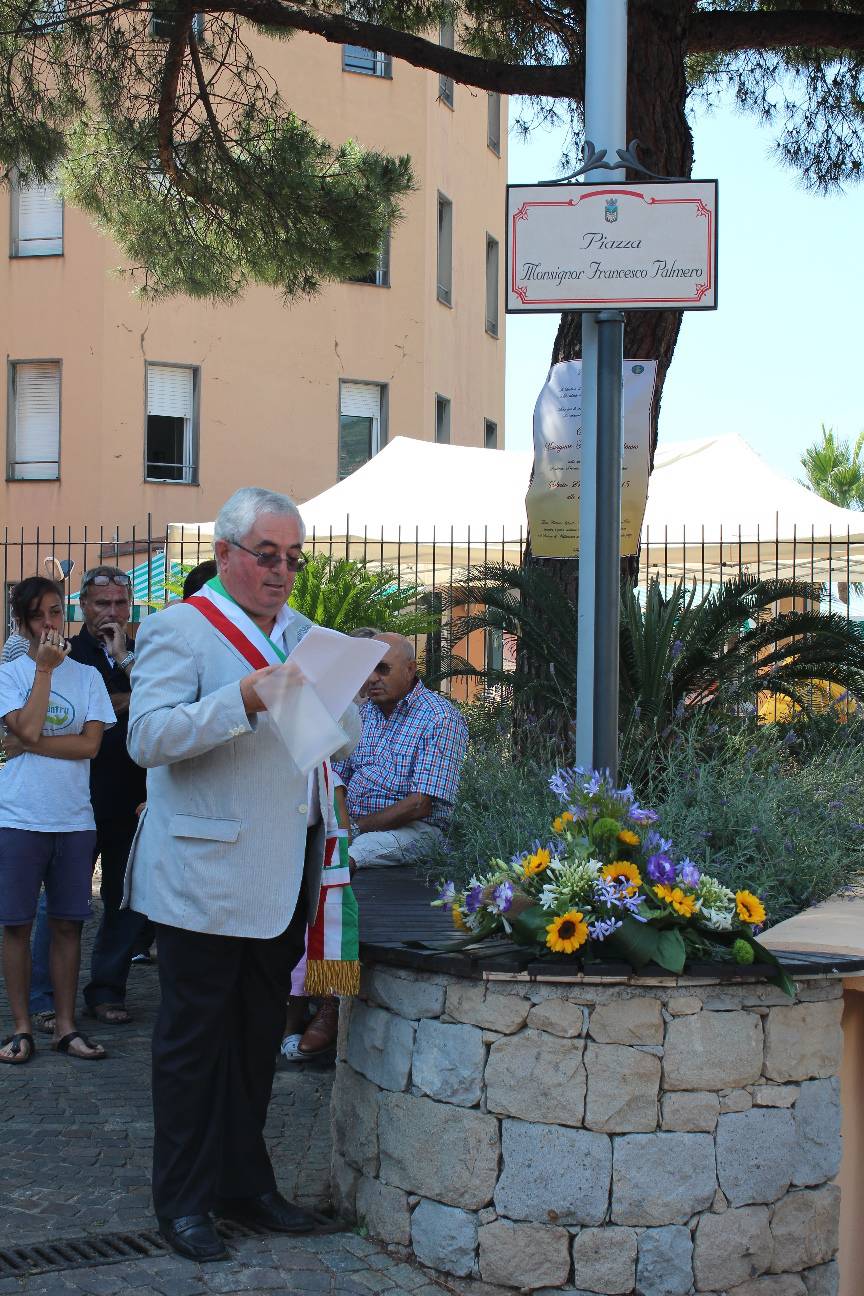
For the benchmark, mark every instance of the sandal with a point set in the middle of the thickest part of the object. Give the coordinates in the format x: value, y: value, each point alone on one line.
x: 63, y: 1046
x: 23, y: 1037
x: 110, y: 1014
x: 44, y: 1021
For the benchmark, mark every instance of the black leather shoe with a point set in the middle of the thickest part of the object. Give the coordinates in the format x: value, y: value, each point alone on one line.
x: 269, y: 1211
x: 195, y: 1237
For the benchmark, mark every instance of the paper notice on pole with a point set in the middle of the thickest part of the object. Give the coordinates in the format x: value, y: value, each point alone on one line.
x: 307, y: 694
x: 552, y: 502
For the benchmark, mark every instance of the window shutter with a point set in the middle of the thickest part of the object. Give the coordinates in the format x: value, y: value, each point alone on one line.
x: 362, y: 400
x: 40, y: 220
x: 170, y: 391
x: 37, y: 421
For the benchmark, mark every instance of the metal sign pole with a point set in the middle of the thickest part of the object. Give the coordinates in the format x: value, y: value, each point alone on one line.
x: 600, y: 488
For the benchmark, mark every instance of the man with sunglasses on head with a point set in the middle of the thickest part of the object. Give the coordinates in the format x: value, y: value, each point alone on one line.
x: 227, y: 863
x: 117, y: 787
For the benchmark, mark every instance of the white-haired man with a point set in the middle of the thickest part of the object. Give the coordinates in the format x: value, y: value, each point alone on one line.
x: 225, y: 863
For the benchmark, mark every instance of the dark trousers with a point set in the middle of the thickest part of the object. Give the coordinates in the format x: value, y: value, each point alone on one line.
x: 214, y: 1053
x: 119, y: 929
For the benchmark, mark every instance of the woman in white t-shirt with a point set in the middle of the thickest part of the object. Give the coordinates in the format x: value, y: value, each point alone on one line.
x: 56, y: 709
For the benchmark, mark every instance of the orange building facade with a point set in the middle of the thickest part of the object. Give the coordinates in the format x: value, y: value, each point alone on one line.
x: 115, y: 409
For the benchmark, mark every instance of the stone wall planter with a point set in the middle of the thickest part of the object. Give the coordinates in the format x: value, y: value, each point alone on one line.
x: 658, y: 1138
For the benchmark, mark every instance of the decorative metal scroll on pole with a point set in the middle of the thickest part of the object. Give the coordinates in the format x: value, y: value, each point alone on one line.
x: 602, y: 246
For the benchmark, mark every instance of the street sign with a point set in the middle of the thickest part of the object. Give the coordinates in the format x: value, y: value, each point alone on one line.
x: 603, y: 246
x: 553, y: 496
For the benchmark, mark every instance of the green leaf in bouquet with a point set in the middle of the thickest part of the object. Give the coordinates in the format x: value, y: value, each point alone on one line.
x: 529, y: 926
x: 671, y: 953
x: 634, y: 942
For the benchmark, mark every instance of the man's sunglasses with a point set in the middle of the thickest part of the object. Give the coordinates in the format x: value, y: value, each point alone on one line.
x: 123, y: 581
x: 273, y: 560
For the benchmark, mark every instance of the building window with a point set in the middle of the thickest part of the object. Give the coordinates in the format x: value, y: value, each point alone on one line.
x: 36, y: 224
x: 491, y: 285
x: 493, y: 121
x: 490, y: 434
x: 380, y: 276
x: 162, y: 21
x: 33, y: 438
x: 445, y: 250
x: 368, y: 62
x: 172, y: 423
x: 446, y: 38
x: 442, y: 420
x: 362, y: 424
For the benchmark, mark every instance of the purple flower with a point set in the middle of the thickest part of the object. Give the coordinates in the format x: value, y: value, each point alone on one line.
x: 626, y: 794
x: 605, y: 891
x: 654, y: 842
x: 631, y: 905
x: 661, y: 869
x: 502, y: 898
x: 603, y: 927
x: 561, y: 782
x: 688, y: 873
x: 639, y: 815
x: 447, y: 893
x: 474, y: 899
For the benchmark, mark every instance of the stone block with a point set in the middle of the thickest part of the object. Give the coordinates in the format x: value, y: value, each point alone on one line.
x: 623, y: 1087
x: 775, y: 1095
x: 627, y: 1021
x: 448, y: 1062
x: 804, y: 1227
x: 604, y: 1260
x: 470, y: 1002
x: 691, y: 1111
x: 444, y: 1238
x: 384, y: 1211
x: 755, y: 1154
x: 665, y: 1265
x: 444, y: 1152
x: 354, y: 1116
x: 683, y: 1005
x: 380, y: 1045
x: 817, y: 1132
x: 660, y: 1179
x: 552, y: 1175
x: 713, y: 1050
x: 736, y: 1100
x: 343, y: 1188
x: 733, y: 1247
x: 803, y: 1041
x: 409, y: 996
x: 538, y: 1078
x: 558, y: 1017
x: 343, y: 1029
x: 824, y: 1280
x: 524, y: 1255
x: 770, y: 1285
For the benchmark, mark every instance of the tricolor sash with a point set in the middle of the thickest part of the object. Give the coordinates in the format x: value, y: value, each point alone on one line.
x: 333, y: 953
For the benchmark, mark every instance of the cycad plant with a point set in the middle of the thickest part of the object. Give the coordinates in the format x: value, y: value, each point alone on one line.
x: 344, y: 594
x: 835, y: 469
x: 677, y: 654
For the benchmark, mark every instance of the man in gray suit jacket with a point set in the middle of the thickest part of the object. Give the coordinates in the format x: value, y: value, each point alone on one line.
x: 227, y: 862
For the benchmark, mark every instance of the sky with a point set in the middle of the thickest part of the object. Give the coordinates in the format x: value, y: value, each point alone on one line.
x: 781, y: 354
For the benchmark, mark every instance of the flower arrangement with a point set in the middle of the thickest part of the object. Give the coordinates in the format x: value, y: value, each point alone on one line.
x: 607, y: 884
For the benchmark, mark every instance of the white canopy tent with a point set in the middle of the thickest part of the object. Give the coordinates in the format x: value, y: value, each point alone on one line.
x: 714, y: 507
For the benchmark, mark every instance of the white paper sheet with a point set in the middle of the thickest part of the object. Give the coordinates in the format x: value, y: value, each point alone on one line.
x: 306, y: 709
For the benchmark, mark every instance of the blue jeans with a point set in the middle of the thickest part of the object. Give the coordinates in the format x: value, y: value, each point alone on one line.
x: 41, y: 989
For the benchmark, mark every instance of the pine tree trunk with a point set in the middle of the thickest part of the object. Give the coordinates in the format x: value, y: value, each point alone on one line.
x: 656, y: 97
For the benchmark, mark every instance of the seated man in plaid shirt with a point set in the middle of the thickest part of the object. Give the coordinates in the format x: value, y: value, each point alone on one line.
x: 403, y: 776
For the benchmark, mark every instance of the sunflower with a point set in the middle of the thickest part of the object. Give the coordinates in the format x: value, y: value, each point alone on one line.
x: 628, y: 838
x: 537, y: 862
x: 685, y: 905
x: 750, y: 908
x: 663, y: 892
x: 458, y: 921
x: 559, y: 824
x: 623, y: 871
x: 565, y: 934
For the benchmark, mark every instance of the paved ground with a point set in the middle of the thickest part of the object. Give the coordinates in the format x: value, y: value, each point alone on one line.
x: 75, y: 1160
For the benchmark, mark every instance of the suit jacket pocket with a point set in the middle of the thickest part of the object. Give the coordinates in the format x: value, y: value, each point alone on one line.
x: 185, y: 825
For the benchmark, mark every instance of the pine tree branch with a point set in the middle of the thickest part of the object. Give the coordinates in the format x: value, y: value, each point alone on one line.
x: 728, y: 31
x: 174, y: 59
x: 485, y: 74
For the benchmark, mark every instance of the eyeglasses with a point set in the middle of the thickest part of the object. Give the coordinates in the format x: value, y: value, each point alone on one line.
x: 123, y: 581
x: 271, y: 561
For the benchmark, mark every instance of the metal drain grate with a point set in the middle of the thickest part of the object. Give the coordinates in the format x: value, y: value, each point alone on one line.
x: 102, y: 1249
